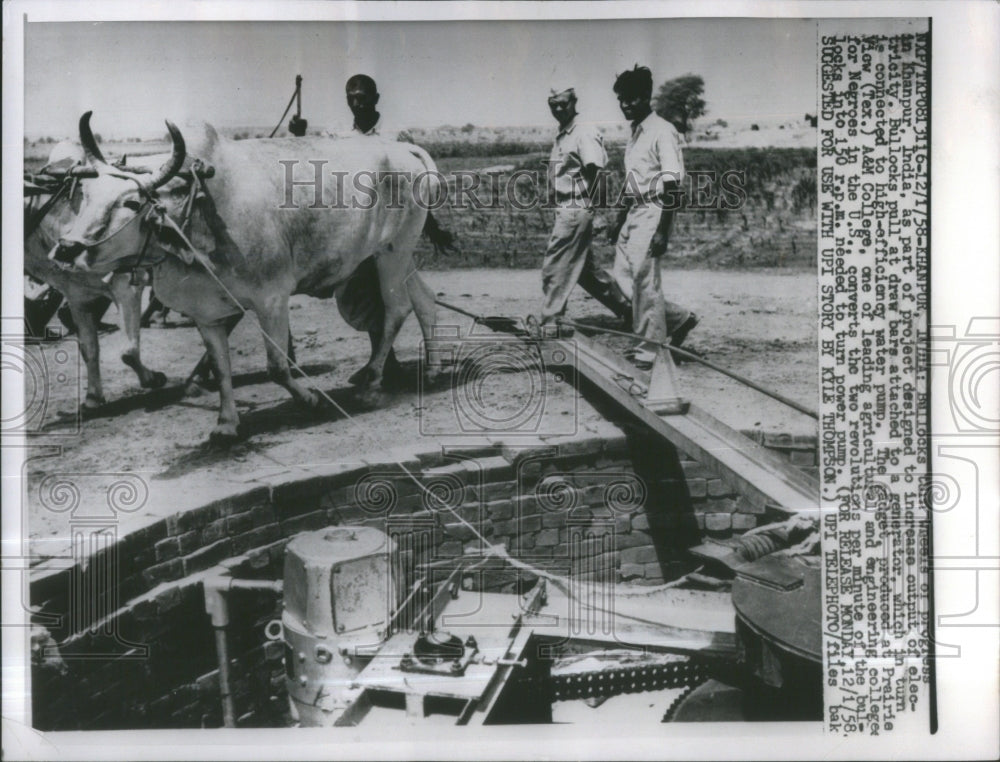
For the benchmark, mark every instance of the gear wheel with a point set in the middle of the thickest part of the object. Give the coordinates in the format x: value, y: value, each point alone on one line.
x: 637, y: 679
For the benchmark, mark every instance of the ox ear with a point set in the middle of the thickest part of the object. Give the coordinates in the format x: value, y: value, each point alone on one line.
x: 201, y: 138
x: 170, y: 240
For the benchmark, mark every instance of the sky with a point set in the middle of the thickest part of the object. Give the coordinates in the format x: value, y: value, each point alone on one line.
x: 133, y: 75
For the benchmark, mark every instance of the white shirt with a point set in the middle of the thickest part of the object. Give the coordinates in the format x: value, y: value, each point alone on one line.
x: 376, y: 130
x: 576, y: 146
x: 652, y: 157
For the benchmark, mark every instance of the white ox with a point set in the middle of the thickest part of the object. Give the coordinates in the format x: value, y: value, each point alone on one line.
x: 259, y: 252
x: 85, y: 292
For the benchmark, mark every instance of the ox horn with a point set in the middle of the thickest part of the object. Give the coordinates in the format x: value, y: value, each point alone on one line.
x: 165, y: 172
x: 172, y: 167
x: 90, y: 148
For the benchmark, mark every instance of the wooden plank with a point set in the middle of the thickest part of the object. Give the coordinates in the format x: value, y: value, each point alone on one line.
x: 743, y: 465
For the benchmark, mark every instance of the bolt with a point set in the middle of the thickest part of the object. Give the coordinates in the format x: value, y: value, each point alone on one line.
x: 303, y: 680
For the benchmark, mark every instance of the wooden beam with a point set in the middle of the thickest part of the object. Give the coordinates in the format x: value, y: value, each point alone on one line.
x: 746, y: 467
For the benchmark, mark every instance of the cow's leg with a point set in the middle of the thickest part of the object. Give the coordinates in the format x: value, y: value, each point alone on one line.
x: 360, y: 304
x: 273, y: 319
x: 86, y: 334
x: 395, y: 297
x: 200, y: 377
x: 129, y: 300
x: 392, y: 372
x: 425, y: 305
x: 217, y: 342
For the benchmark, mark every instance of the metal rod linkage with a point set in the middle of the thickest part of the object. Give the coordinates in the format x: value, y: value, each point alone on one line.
x: 502, y: 325
x: 695, y: 358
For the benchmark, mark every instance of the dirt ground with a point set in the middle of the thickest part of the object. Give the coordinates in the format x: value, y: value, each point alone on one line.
x: 761, y: 324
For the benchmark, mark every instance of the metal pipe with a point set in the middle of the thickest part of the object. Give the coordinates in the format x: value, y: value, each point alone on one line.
x: 222, y: 652
x: 274, y: 585
x: 459, y: 310
x: 217, y: 585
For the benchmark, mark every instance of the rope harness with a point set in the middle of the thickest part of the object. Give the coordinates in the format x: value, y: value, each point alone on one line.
x: 35, y: 216
x: 149, y: 211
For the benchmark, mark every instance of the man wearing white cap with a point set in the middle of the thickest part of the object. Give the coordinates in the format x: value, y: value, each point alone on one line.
x: 575, y: 164
x: 654, y: 171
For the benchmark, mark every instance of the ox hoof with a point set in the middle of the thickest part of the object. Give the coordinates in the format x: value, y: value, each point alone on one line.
x: 310, y: 399
x: 394, y: 380
x: 223, y: 434
x: 156, y: 380
x: 91, y: 407
x: 194, y: 389
x: 370, y: 397
x: 432, y: 373
x: 362, y: 377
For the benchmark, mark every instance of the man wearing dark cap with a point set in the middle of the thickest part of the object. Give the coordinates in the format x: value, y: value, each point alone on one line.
x: 577, y: 158
x: 654, y: 171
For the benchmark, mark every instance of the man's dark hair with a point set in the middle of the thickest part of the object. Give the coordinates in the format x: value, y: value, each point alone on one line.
x: 363, y: 81
x: 635, y: 81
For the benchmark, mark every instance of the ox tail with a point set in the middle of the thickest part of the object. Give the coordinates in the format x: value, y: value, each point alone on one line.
x: 442, y: 240
x: 431, y: 186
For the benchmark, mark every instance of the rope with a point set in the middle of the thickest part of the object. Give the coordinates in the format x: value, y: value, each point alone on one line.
x: 676, y: 350
x: 298, y: 86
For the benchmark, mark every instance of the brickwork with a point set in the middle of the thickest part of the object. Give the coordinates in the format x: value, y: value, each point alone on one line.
x: 773, y: 227
x: 609, y: 508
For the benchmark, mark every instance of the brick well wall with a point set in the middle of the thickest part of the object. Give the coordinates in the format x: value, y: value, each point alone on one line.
x: 620, y: 508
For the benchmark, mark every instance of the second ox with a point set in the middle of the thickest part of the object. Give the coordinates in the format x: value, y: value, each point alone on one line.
x: 51, y: 214
x: 251, y: 246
